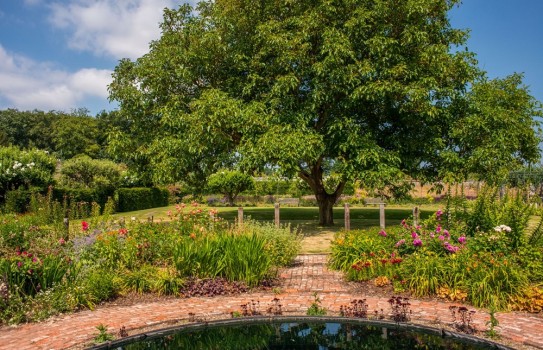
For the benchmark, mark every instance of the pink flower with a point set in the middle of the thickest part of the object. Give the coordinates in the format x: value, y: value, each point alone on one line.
x: 403, y: 223
x: 462, y: 239
x: 417, y: 242
x: 446, y: 233
x: 441, y: 238
x: 19, y: 264
x: 439, y: 213
x: 382, y: 233
x: 438, y: 229
x: 414, y: 235
x: 61, y: 241
x: 84, y: 225
x: 400, y: 242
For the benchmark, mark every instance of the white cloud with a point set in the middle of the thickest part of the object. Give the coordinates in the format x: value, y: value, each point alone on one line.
x: 114, y: 28
x: 26, y: 84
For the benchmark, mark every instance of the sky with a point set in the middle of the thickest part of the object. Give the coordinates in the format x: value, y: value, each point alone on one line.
x: 59, y: 54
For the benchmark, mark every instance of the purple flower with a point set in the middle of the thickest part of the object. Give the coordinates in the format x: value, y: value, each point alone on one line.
x: 446, y: 233
x: 417, y: 242
x: 414, y: 235
x: 382, y: 233
x: 451, y: 248
x: 462, y: 239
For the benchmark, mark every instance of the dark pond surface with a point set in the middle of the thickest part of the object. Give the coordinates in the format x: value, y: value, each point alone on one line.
x: 306, y: 333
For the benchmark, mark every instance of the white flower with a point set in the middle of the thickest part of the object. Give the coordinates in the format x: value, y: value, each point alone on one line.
x: 502, y: 228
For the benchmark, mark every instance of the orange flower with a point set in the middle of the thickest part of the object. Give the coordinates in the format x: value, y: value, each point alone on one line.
x: 193, y: 236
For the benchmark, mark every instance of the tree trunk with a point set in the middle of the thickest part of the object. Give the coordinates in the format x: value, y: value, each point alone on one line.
x: 314, y: 178
x: 230, y: 198
x: 326, y: 205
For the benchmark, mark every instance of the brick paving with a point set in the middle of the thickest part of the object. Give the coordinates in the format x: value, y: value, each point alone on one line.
x: 298, y: 285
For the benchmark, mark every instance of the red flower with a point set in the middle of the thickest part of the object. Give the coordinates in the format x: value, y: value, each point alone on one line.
x: 84, y: 225
x: 123, y: 231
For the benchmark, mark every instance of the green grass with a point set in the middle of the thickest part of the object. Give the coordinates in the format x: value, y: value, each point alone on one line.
x: 304, y: 218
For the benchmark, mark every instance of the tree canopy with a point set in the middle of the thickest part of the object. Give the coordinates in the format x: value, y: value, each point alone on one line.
x: 370, y: 89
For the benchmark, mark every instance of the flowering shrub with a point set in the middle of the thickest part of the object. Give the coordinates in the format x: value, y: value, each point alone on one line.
x: 25, y: 169
x: 486, y: 269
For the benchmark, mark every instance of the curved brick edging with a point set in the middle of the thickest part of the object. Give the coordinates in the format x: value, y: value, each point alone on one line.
x: 299, y: 283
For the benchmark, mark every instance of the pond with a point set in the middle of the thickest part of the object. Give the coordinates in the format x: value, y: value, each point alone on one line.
x: 283, y: 333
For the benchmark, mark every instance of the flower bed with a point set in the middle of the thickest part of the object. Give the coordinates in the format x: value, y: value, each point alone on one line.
x: 488, y: 269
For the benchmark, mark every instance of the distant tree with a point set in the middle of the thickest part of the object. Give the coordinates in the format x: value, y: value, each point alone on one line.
x: 230, y: 183
x: 357, y: 87
x: 83, y: 171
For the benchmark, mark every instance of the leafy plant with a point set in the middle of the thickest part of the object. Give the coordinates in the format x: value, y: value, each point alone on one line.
x: 103, y: 334
x: 315, y: 309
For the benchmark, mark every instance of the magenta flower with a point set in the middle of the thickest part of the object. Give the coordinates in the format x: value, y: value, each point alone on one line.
x: 84, y: 225
x: 439, y: 213
x: 382, y: 233
x: 414, y: 235
x: 417, y: 242
x: 446, y: 233
x: 19, y: 264
x: 441, y: 238
x: 462, y: 239
x: 438, y: 229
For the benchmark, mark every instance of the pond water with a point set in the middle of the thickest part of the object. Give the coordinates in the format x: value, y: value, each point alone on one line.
x: 306, y: 333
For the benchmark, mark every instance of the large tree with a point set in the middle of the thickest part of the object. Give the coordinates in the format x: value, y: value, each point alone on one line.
x: 364, y: 87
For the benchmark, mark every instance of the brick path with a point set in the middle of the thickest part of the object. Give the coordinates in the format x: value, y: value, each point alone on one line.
x: 309, y: 275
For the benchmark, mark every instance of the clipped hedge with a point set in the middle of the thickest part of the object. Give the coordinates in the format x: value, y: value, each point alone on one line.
x: 79, y: 195
x: 138, y: 198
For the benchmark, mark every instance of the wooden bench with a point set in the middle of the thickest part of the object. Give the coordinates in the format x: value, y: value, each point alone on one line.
x: 373, y: 201
x: 289, y: 201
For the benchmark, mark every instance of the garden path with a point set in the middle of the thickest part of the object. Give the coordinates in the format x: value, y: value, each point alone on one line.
x: 309, y: 275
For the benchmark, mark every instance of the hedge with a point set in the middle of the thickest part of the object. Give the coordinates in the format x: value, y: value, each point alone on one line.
x: 138, y: 198
x: 79, y: 195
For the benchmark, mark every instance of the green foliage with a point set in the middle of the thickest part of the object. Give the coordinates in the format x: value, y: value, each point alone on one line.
x: 130, y: 199
x: 59, y: 133
x: 83, y: 171
x: 490, y: 212
x: 25, y: 169
x: 331, y: 88
x: 230, y: 183
x: 103, y: 334
x: 490, y: 269
x: 281, y: 244
x: 315, y: 309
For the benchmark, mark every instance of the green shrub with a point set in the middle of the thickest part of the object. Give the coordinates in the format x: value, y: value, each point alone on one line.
x: 138, y: 198
x: 17, y: 201
x: 281, y: 244
x: 101, y: 284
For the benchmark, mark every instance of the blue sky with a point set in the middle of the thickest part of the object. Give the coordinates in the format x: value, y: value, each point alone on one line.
x: 59, y: 54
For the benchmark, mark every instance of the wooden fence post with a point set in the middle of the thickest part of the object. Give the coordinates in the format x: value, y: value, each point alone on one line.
x: 240, y: 216
x: 277, y: 215
x: 67, y: 229
x: 416, y: 216
x: 347, y: 217
x: 382, y: 215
